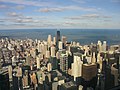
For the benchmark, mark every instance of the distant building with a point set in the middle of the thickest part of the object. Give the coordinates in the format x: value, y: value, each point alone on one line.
x: 64, y: 40
x: 104, y: 46
x: 58, y: 36
x: 49, y: 40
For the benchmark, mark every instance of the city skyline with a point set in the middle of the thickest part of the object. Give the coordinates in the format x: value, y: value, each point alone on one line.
x: 25, y: 14
x: 58, y: 64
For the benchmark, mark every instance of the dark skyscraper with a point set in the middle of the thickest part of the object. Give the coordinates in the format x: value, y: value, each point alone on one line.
x: 58, y: 36
x: 4, y: 80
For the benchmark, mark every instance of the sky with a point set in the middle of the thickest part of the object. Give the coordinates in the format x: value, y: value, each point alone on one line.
x: 58, y: 14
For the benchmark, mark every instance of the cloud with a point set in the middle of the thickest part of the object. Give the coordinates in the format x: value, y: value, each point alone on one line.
x: 3, y: 6
x: 64, y: 8
x: 14, y: 17
x: 14, y: 14
x: 50, y: 10
x: 70, y: 23
x: 20, y: 7
x: 88, y: 16
x: 26, y: 20
x: 7, y: 20
x: 28, y: 2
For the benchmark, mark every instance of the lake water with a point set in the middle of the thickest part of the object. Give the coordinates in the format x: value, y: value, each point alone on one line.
x: 84, y: 36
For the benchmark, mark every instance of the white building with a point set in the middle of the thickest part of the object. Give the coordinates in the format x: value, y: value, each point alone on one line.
x: 52, y: 51
x: 77, y: 67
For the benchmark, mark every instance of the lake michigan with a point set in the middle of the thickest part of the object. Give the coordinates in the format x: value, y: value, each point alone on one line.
x: 84, y: 36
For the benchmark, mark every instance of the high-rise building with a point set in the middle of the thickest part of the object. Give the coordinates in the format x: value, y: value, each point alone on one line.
x: 49, y: 67
x: 99, y: 46
x: 33, y: 78
x: 54, y: 40
x: 58, y: 36
x: 52, y: 51
x: 54, y: 85
x: 93, y: 58
x: 104, y: 46
x: 64, y: 63
x: 47, y: 54
x: 38, y: 62
x: 49, y: 40
x: 14, y: 59
x: 117, y: 57
x: 25, y: 79
x: 4, y: 80
x: 64, y: 40
x: 58, y: 55
x: 10, y: 72
x: 114, y: 72
x: 19, y: 72
x: 28, y: 59
x: 33, y: 52
x: 89, y: 59
x: 42, y: 47
x: 54, y: 62
x: 89, y: 71
x: 60, y: 46
x: 77, y: 67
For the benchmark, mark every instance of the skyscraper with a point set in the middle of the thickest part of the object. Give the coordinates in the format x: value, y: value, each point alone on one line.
x: 54, y: 62
x: 64, y: 63
x: 89, y: 71
x: 38, y: 62
x: 64, y: 39
x: 10, y: 72
x: 60, y: 46
x: 49, y: 67
x: 77, y: 67
x: 57, y: 38
x: 47, y: 54
x: 25, y: 79
x: 4, y: 80
x: 99, y: 46
x: 104, y: 46
x: 52, y: 51
x: 28, y: 59
x: 93, y: 58
x: 54, y: 40
x: 49, y: 39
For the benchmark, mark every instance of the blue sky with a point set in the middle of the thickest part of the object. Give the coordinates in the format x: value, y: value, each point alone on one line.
x: 88, y: 14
